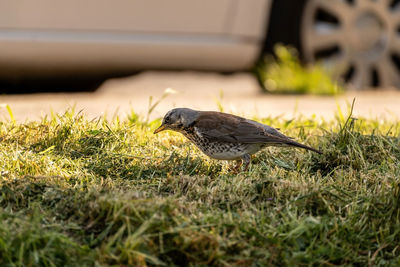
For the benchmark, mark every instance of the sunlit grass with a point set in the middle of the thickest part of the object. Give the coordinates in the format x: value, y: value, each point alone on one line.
x: 286, y: 74
x: 75, y: 192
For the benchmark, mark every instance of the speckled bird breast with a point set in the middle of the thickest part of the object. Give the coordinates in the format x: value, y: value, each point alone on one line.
x: 219, y: 150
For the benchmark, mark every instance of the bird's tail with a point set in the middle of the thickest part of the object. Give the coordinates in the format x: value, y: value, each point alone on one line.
x: 295, y: 144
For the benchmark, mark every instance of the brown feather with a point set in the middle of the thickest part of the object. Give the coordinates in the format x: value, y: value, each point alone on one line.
x: 229, y: 128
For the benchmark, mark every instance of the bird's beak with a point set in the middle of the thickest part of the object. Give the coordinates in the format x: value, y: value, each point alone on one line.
x: 161, y: 128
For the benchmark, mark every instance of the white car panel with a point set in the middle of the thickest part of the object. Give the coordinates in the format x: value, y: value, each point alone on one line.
x: 205, y: 16
x: 251, y: 18
x: 47, y: 37
x: 51, y: 52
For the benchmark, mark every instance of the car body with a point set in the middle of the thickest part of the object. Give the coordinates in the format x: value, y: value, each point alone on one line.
x: 46, y: 37
x: 360, y: 39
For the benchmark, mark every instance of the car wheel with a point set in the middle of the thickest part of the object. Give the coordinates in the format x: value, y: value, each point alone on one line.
x: 361, y: 38
x: 358, y: 39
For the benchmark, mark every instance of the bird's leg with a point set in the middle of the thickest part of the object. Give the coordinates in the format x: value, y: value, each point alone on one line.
x: 246, y: 158
x: 239, y: 163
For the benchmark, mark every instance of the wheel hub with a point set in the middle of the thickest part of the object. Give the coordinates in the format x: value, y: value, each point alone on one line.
x: 368, y: 34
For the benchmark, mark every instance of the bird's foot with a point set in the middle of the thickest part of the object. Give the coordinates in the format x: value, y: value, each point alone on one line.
x: 236, y: 168
x: 245, y: 160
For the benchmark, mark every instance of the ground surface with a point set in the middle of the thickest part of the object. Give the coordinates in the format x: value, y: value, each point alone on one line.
x: 197, y: 90
x: 92, y: 190
x: 79, y: 192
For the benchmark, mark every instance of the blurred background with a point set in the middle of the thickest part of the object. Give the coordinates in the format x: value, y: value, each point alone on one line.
x: 266, y: 56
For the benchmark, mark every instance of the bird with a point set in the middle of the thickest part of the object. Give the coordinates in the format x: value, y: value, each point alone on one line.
x: 225, y: 136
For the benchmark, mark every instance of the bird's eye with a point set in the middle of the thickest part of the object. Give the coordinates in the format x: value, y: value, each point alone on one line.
x: 166, y: 120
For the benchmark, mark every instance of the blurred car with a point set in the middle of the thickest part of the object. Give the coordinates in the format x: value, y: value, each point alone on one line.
x: 44, y: 38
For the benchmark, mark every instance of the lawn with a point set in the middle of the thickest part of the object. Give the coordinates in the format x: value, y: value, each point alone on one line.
x: 79, y: 192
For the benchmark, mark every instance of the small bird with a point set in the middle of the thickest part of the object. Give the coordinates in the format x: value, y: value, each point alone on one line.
x: 225, y: 136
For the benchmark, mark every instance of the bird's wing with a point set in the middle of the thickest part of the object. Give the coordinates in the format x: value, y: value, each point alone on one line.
x: 229, y: 128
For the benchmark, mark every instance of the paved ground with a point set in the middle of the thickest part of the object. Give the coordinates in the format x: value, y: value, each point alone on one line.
x: 241, y: 94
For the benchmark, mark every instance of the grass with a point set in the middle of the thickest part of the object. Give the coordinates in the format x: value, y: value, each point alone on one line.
x: 75, y: 192
x: 286, y: 74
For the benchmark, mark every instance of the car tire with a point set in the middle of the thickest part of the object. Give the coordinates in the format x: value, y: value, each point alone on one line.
x: 284, y: 24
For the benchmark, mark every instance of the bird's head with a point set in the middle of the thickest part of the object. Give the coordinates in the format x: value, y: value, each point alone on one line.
x: 177, y: 119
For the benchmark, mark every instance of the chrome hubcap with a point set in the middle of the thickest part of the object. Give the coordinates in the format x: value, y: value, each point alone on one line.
x: 358, y: 39
x: 368, y: 34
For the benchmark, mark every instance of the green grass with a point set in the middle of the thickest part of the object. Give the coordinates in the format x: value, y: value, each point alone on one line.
x: 286, y: 74
x: 75, y: 192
